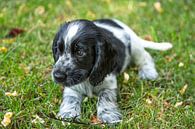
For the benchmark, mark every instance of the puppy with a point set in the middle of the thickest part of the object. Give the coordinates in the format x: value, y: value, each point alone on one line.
x: 89, y: 55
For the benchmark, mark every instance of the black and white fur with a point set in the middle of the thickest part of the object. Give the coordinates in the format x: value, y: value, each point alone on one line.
x: 89, y: 55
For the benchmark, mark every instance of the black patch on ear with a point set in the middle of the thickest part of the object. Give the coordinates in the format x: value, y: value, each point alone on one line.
x: 104, y: 63
x: 55, y: 47
x: 110, y: 55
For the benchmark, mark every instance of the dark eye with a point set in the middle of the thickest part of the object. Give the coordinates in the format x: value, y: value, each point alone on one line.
x: 80, y: 53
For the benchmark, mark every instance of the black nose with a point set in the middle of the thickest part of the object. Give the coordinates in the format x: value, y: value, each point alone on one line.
x: 59, y: 76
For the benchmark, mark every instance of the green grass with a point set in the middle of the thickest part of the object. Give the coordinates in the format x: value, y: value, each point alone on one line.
x: 27, y: 64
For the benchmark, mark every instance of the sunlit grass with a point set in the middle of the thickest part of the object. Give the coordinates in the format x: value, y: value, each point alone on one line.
x: 26, y: 66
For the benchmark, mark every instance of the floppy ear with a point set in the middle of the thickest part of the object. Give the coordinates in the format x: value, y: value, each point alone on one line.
x: 104, y: 62
x: 55, y: 47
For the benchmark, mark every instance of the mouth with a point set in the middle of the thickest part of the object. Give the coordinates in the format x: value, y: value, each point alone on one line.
x: 71, y: 79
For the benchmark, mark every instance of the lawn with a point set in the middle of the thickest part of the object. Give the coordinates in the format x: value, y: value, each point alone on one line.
x: 26, y: 62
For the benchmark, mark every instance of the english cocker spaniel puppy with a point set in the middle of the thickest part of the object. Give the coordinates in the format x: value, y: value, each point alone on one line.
x: 89, y: 55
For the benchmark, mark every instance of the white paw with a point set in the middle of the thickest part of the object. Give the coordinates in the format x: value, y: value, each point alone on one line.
x: 110, y: 116
x: 148, y: 73
x: 70, y: 107
x: 69, y: 114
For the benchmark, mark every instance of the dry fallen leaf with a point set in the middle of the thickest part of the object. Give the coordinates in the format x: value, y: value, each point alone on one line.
x: 85, y: 99
x: 178, y: 104
x: 95, y: 120
x: 148, y: 37
x: 38, y: 120
x: 8, y: 40
x: 3, y: 49
x: 181, y: 64
x: 56, y: 101
x: 25, y: 68
x: 11, y: 94
x: 148, y: 101
x: 14, y: 32
x: 157, y: 6
x: 2, y: 78
x: 160, y: 114
x: 126, y: 77
x: 40, y: 10
x: 69, y: 3
x: 7, y: 119
x: 166, y: 104
x: 183, y: 89
x: 170, y: 57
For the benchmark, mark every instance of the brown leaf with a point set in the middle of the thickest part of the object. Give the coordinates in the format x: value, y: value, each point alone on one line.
x: 148, y: 37
x: 95, y: 120
x: 14, y: 32
x: 171, y: 57
x: 168, y: 58
x: 166, y: 104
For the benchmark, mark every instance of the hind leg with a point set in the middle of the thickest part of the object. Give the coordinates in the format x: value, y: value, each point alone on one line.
x: 145, y: 63
x: 147, y: 68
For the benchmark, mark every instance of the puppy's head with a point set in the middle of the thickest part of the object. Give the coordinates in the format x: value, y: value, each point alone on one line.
x: 81, y: 52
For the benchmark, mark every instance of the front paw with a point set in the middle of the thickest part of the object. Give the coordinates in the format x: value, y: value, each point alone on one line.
x: 70, y: 108
x: 110, y: 116
x: 68, y: 114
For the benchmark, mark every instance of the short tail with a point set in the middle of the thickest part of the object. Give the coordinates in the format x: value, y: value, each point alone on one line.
x: 146, y: 44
